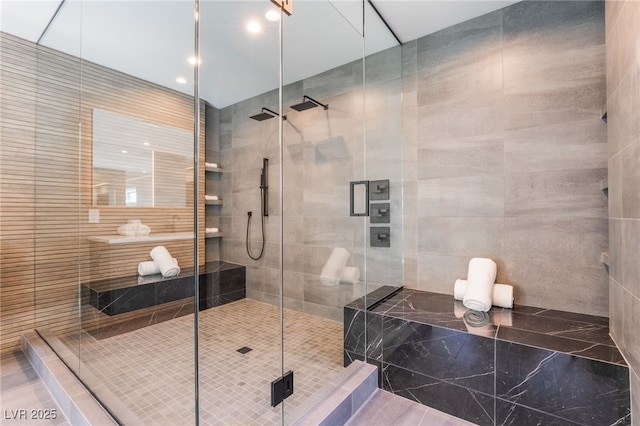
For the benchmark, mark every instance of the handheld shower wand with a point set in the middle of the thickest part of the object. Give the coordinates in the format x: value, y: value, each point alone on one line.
x: 264, y: 207
x: 264, y: 186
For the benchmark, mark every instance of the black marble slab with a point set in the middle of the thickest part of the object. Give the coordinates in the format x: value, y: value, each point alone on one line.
x: 524, y: 366
x: 219, y: 283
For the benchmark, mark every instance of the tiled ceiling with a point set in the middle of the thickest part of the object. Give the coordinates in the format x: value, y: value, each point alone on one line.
x: 153, y: 39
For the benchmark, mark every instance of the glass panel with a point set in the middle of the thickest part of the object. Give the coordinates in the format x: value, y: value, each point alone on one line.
x: 323, y: 152
x: 240, y: 337
x: 383, y: 159
x: 57, y: 207
x: 133, y: 344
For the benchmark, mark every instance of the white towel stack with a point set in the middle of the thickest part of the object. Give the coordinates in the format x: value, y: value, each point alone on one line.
x: 134, y: 228
x: 502, y: 293
x: 478, y: 292
x: 214, y: 165
x: 332, y: 270
x: 211, y: 230
x: 166, y: 263
x: 210, y: 197
x: 150, y: 267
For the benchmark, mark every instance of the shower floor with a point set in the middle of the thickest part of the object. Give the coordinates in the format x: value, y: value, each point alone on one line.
x: 150, y: 371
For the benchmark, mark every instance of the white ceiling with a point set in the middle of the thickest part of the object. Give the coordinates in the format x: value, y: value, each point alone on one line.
x: 153, y: 39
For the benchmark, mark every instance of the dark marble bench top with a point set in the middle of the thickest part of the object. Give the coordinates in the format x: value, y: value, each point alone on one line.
x: 576, y: 334
x: 136, y: 280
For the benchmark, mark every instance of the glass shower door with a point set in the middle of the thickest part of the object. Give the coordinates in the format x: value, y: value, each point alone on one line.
x: 342, y: 127
x: 323, y: 152
x: 240, y: 350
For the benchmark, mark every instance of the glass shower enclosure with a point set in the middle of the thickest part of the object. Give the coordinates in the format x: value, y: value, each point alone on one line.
x: 222, y: 138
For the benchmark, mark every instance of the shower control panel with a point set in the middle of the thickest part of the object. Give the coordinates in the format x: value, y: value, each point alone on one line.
x: 380, y: 236
x: 379, y: 190
x: 380, y: 213
x: 365, y: 200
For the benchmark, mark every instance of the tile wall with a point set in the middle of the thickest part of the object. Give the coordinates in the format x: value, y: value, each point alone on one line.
x: 623, y: 111
x: 505, y: 153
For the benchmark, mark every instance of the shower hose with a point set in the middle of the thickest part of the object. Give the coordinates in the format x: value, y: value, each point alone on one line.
x: 249, y: 214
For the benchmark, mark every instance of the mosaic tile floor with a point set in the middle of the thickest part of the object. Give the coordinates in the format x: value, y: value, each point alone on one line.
x: 150, y: 370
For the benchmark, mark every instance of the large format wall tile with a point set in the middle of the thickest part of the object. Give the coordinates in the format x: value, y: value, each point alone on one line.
x: 472, y: 156
x: 562, y: 193
x: 573, y: 241
x: 623, y: 108
x: 522, y: 145
x: 529, y: 106
x: 553, y: 285
x: 582, y: 145
x: 482, y: 33
x: 615, y: 249
x: 631, y: 179
x: 439, y: 273
x: 483, y: 115
x: 462, y: 236
x: 461, y: 78
x: 461, y: 196
x: 630, y: 250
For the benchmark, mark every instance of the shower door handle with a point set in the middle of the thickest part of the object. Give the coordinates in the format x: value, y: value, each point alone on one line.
x: 362, y: 197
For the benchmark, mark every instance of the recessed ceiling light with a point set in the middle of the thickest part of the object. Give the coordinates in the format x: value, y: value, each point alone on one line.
x: 193, y: 59
x: 180, y: 80
x: 146, y: 144
x: 272, y: 15
x: 144, y: 171
x: 253, y: 27
x: 124, y: 151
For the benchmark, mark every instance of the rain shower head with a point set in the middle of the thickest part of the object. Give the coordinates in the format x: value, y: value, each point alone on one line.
x: 266, y: 114
x: 308, y: 103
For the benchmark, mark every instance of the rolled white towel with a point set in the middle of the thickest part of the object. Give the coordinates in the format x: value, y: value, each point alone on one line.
x: 210, y: 197
x: 480, y: 279
x: 168, y: 267
x: 211, y: 230
x: 332, y: 270
x: 502, y: 293
x: 350, y: 274
x: 214, y: 165
x: 150, y: 267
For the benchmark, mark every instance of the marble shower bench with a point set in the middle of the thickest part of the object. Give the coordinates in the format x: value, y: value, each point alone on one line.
x: 521, y: 366
x: 219, y: 283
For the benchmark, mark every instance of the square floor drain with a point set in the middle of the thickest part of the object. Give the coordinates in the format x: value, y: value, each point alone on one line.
x: 243, y: 350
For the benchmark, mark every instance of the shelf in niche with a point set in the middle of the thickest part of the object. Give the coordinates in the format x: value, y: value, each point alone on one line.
x: 605, y: 258
x: 213, y: 169
x: 213, y: 235
x: 125, y: 239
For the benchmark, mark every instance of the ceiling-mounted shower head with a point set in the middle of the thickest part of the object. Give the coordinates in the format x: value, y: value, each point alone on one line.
x: 266, y: 114
x: 308, y: 103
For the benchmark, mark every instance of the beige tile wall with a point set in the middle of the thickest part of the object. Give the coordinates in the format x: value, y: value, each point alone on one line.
x: 623, y: 110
